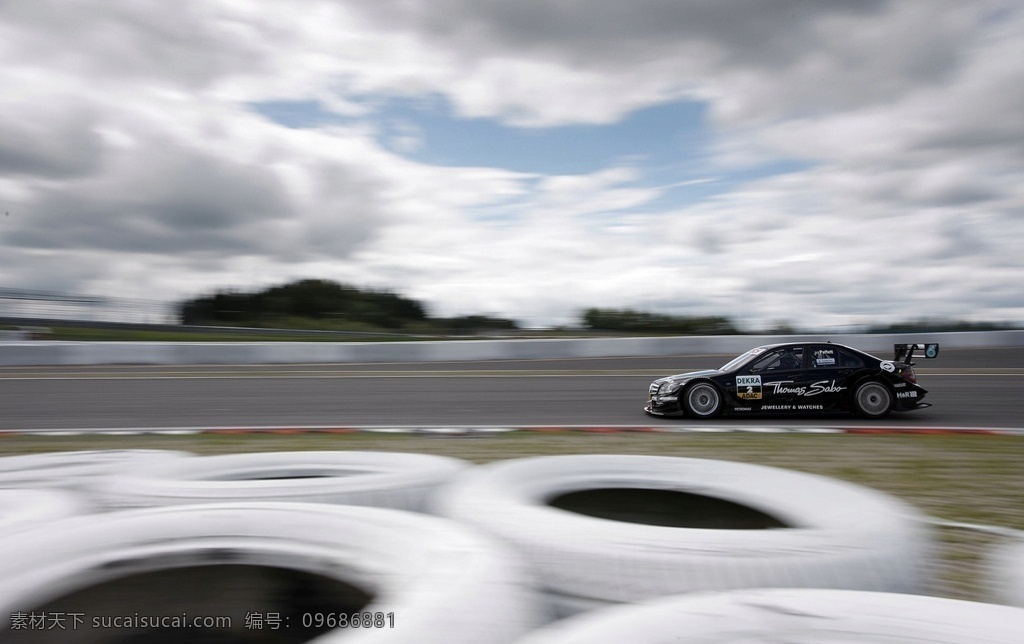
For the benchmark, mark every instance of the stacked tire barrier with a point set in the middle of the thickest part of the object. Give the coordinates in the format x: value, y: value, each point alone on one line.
x: 387, y: 480
x: 792, y: 615
x: 684, y: 525
x: 283, y: 547
x: 21, y: 509
x: 1006, y: 570
x: 340, y: 546
x: 72, y: 470
x: 409, y: 572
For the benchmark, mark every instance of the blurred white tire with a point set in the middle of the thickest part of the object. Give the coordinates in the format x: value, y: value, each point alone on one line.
x: 21, y: 509
x: 442, y: 582
x: 71, y: 469
x: 839, y: 535
x: 793, y: 616
x: 1006, y: 572
x: 380, y: 479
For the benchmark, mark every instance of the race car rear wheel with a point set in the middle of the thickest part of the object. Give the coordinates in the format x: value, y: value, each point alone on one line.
x: 702, y: 400
x: 872, y: 399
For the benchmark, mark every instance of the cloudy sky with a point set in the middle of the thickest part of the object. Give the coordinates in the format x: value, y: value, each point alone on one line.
x: 826, y: 162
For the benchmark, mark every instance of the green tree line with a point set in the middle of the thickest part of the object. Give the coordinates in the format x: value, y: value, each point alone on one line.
x: 315, y: 303
x: 639, y: 321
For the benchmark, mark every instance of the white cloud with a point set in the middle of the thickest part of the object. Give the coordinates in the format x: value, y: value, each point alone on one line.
x: 129, y: 155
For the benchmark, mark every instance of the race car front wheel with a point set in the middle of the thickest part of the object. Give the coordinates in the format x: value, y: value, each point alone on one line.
x: 702, y: 400
x: 872, y: 400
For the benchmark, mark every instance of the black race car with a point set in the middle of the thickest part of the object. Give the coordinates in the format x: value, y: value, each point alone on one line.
x: 793, y: 378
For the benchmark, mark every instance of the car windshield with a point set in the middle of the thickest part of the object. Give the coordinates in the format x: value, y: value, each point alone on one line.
x: 740, y: 359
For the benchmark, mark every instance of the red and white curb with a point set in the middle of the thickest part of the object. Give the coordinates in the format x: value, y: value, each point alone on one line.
x: 495, y: 430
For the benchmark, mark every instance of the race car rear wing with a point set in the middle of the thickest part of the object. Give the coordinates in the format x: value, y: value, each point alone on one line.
x: 905, y: 352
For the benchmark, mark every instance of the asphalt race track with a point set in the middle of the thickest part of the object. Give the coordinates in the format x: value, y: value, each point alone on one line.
x: 969, y: 388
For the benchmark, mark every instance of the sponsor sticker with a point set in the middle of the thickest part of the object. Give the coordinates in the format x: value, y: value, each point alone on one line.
x: 821, y: 387
x: 748, y: 387
x: 825, y: 358
x: 906, y: 394
x: 888, y: 366
x: 792, y: 407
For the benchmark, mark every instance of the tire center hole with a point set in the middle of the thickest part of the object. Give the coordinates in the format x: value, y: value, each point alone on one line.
x: 667, y: 508
x: 235, y: 604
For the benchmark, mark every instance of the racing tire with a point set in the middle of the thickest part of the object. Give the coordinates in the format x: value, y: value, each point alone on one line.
x: 20, y: 509
x: 1006, y: 572
x: 381, y: 479
x: 702, y: 400
x: 595, y: 531
x: 872, y: 399
x: 72, y: 470
x: 440, y: 582
x: 803, y: 615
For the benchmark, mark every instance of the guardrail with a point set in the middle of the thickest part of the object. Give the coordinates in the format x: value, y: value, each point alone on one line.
x: 95, y: 353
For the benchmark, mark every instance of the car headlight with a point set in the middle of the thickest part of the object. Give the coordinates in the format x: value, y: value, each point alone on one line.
x: 669, y: 388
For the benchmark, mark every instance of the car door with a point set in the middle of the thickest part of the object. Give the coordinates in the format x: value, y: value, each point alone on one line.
x: 772, y: 377
x: 824, y: 381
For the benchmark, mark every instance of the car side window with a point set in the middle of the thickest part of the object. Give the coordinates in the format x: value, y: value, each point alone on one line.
x: 764, y: 362
x: 847, y: 359
x: 779, y: 360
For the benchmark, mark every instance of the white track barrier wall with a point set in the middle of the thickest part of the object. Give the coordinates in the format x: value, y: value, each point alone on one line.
x: 94, y: 353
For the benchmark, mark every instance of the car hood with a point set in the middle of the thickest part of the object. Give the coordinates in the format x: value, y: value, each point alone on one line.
x: 690, y: 375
